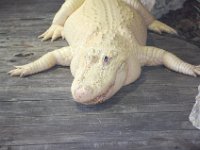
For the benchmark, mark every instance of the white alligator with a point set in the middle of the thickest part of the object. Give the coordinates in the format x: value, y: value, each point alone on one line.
x: 107, y: 47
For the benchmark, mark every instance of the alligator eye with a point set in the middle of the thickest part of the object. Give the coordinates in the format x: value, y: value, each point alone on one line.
x: 106, y: 59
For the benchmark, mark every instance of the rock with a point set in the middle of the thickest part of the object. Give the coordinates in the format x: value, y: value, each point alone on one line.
x: 195, y: 114
x: 196, y: 39
x: 162, y: 7
x: 149, y: 4
x: 186, y: 25
x: 198, y: 23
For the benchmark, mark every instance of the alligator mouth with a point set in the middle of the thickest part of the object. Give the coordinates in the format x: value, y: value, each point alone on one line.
x: 101, y: 98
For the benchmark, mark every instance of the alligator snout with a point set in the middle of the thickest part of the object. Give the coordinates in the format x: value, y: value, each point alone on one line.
x: 83, y: 94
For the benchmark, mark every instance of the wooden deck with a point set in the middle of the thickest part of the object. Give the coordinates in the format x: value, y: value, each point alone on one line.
x: 38, y: 112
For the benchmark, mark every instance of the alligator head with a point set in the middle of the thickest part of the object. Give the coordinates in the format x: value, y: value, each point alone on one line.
x: 98, y: 74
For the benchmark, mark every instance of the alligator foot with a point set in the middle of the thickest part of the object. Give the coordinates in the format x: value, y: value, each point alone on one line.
x: 160, y: 27
x: 197, y: 70
x: 53, y: 33
x: 21, y: 71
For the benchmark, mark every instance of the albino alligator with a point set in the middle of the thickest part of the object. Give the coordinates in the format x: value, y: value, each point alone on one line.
x: 107, y: 47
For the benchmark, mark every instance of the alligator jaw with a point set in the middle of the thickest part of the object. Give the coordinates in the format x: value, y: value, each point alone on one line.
x: 99, y: 99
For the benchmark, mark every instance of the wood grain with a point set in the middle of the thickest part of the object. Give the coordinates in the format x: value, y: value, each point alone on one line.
x: 38, y: 112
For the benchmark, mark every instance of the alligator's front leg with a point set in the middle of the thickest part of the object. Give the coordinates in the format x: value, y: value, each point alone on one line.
x: 56, y: 29
x: 151, y: 56
x: 61, y: 56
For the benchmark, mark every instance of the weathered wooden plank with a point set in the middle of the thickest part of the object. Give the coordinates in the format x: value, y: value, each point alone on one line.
x: 48, y: 108
x: 131, y: 94
x: 92, y: 126
x: 98, y: 137
x: 103, y: 118
x: 118, y: 145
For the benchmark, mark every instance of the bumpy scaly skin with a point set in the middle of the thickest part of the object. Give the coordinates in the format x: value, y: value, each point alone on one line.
x: 107, y: 49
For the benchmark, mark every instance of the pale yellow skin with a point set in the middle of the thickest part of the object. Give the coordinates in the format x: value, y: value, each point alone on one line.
x: 107, y: 49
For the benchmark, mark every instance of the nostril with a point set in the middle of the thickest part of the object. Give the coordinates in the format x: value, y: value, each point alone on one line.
x: 83, y: 93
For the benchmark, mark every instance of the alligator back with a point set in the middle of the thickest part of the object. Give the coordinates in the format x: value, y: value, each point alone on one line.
x: 97, y: 19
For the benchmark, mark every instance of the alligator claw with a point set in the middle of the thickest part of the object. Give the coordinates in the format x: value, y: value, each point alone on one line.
x: 197, y: 70
x: 53, y: 33
x: 160, y: 27
x: 20, y: 71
